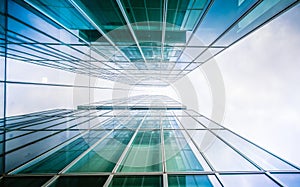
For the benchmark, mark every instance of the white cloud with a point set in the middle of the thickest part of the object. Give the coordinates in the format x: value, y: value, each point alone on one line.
x: 261, y: 74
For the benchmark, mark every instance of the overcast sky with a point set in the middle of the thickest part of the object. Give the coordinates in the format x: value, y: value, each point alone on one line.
x: 262, y: 81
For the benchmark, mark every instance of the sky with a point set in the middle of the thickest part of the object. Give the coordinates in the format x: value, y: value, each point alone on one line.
x: 261, y: 78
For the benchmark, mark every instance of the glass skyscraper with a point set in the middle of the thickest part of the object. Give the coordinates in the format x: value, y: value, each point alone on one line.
x: 63, y: 122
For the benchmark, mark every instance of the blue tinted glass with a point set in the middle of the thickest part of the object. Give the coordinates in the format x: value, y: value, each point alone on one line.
x: 288, y: 179
x: 264, y: 11
x: 61, y: 158
x: 179, y: 156
x: 220, y: 16
x: 251, y: 180
x: 189, y: 180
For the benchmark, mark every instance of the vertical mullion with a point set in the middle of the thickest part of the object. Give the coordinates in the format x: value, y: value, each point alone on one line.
x: 106, y: 184
x: 127, y: 147
x: 163, y: 146
x: 5, y: 83
x: 50, y: 181
x: 198, y: 148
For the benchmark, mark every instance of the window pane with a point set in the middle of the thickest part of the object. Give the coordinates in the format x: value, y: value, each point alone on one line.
x: 192, y: 180
x: 219, y: 154
x: 62, y: 157
x: 135, y: 181
x: 79, y: 181
x: 179, y: 155
x: 247, y: 180
x: 259, y: 156
x: 23, y: 181
x: 105, y: 155
x: 288, y: 179
x: 144, y: 154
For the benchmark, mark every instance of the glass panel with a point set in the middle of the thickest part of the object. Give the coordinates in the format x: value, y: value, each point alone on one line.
x: 190, y: 123
x: 207, y: 123
x: 219, y: 154
x: 61, y: 158
x: 192, y: 180
x: 247, y: 180
x: 144, y: 154
x: 179, y: 156
x: 208, y: 54
x: 288, y: 179
x: 261, y: 13
x: 105, y: 155
x: 225, y: 13
x: 23, y: 181
x: 135, y: 181
x: 79, y: 181
x: 22, y: 99
x: 70, y: 19
x: 259, y: 156
x: 30, y: 151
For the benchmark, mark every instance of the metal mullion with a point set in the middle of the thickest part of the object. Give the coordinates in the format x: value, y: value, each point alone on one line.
x: 123, y: 154
x: 85, y: 153
x: 41, y: 50
x: 164, y: 24
x: 41, y: 32
x: 43, y: 138
x: 60, y: 43
x: 131, y: 30
x: 176, y: 13
x: 163, y: 146
x: 198, y: 148
x: 229, y: 28
x: 69, y: 31
x: 38, y: 122
x: 82, y: 12
x: 196, y: 28
x: 34, y: 130
x: 296, y: 167
x: 29, y: 54
x: 200, y: 151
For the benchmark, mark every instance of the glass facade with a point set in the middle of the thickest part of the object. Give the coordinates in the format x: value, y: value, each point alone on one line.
x: 135, y: 147
x: 60, y: 124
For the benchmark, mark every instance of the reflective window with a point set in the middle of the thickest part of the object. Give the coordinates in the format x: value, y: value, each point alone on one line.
x: 192, y: 180
x: 144, y: 154
x: 79, y: 181
x: 105, y: 155
x: 259, y: 156
x: 288, y: 179
x: 247, y: 180
x: 136, y: 181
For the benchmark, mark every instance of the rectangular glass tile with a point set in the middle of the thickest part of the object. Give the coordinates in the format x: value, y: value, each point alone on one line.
x: 79, y: 181
x: 136, y: 181
x: 250, y: 180
x: 179, y: 155
x: 259, y: 156
x: 62, y: 157
x: 288, y: 179
x: 144, y: 154
x: 210, y: 29
x: 190, y: 123
x: 105, y: 155
x: 24, y: 181
x: 220, y: 155
x: 192, y: 180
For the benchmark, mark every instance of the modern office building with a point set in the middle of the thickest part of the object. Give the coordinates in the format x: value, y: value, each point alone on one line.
x: 61, y: 124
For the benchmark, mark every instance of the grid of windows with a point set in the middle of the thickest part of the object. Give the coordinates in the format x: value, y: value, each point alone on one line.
x: 135, y: 148
x: 52, y: 51
x: 150, y: 40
